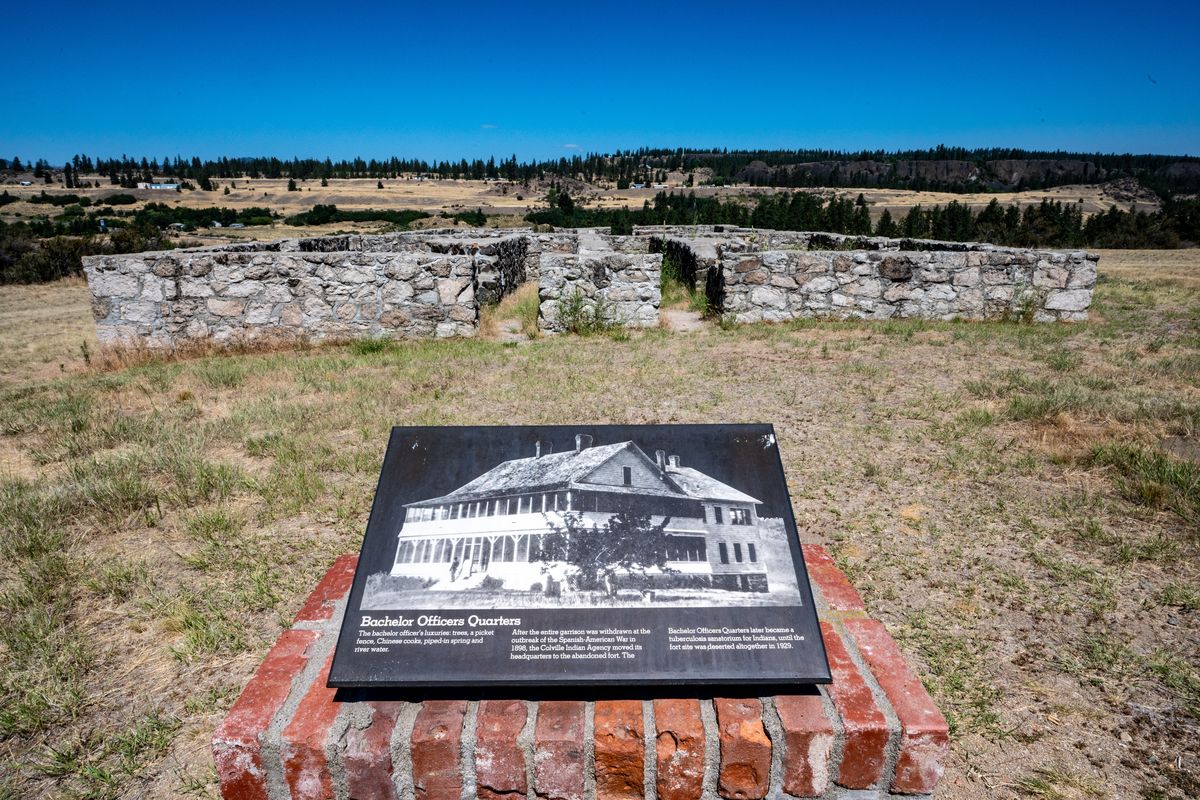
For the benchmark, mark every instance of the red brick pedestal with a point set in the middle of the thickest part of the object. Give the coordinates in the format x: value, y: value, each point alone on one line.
x: 873, y: 732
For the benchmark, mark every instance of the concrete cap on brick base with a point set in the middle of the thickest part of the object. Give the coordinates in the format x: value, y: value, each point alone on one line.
x: 873, y: 731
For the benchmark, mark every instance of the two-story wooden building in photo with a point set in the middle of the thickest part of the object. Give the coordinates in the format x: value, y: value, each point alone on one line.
x: 494, y: 525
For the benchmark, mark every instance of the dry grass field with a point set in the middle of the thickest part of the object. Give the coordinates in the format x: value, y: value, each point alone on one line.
x: 497, y: 199
x: 999, y: 492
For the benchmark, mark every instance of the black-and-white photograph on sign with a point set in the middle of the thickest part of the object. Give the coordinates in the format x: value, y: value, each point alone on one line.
x: 580, y: 554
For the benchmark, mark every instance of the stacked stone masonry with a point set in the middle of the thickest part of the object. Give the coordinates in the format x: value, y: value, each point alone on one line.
x: 623, y: 289
x: 432, y: 283
x: 873, y: 732
x: 775, y: 276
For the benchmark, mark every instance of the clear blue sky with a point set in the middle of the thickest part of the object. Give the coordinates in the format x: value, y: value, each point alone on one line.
x: 451, y: 79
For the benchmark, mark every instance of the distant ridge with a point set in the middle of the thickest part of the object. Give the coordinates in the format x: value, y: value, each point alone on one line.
x: 941, y: 168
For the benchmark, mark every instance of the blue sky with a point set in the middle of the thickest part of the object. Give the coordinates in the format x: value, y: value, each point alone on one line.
x: 458, y: 79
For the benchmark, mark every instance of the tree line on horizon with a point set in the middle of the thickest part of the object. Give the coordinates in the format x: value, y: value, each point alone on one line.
x: 624, y: 167
x: 1050, y: 223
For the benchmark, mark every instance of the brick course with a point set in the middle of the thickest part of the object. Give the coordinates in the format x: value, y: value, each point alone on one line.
x: 499, y: 761
x: 620, y: 750
x: 679, y: 749
x: 745, y: 750
x: 559, y: 753
x: 808, y: 738
x: 437, y: 747
x: 924, y: 734
x: 873, y: 732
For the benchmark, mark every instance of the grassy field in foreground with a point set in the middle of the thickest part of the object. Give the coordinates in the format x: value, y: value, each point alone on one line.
x: 997, y: 492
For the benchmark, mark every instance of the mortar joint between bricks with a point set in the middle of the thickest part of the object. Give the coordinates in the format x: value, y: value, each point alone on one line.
x: 467, y: 754
x: 650, y: 751
x: 525, y: 740
x: 335, y: 747
x: 403, y: 780
x: 712, y: 750
x: 839, y: 735
x: 774, y: 729
x: 589, y: 750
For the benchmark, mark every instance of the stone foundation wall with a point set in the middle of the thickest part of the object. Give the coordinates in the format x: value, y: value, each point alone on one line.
x: 762, y: 275
x: 167, y: 298
x: 625, y: 287
x: 982, y: 284
x: 873, y: 732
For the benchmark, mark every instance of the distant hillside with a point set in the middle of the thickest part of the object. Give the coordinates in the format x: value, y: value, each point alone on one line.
x: 1013, y: 174
x: 952, y: 169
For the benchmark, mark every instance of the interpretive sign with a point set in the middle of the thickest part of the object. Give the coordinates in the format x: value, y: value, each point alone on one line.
x: 654, y: 554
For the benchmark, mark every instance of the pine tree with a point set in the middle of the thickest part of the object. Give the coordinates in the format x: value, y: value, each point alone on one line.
x: 862, y: 220
x: 291, y: 185
x: 886, y: 225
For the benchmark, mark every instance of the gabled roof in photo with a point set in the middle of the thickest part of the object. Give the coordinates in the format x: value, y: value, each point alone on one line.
x: 697, y: 484
x: 567, y: 470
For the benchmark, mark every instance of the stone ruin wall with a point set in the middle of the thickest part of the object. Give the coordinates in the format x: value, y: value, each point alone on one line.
x: 432, y: 283
x: 774, y: 276
x: 625, y: 288
x: 782, y: 285
x: 167, y: 298
x: 407, y: 285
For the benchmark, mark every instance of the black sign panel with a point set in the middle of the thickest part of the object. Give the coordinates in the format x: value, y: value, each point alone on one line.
x: 560, y: 555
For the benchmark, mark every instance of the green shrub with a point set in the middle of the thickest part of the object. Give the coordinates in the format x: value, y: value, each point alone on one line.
x: 55, y: 199
x: 324, y: 214
x: 476, y: 218
x: 48, y: 260
x: 367, y: 347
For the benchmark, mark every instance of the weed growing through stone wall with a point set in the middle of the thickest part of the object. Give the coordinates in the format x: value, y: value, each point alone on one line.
x: 585, y: 317
x: 1026, y: 302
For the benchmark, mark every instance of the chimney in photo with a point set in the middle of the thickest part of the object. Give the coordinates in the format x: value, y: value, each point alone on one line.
x: 582, y: 442
x: 542, y: 448
x: 673, y: 461
x: 660, y: 458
